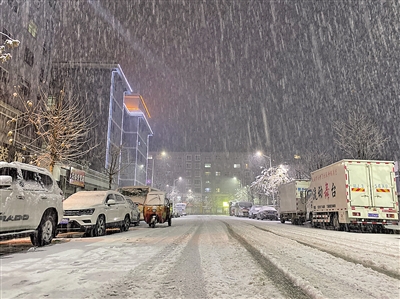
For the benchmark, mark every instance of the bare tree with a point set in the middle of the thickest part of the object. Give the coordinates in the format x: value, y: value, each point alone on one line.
x: 60, y: 129
x: 115, y: 166
x: 360, y: 137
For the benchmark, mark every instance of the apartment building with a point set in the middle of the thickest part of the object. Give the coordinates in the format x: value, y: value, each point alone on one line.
x: 213, y: 178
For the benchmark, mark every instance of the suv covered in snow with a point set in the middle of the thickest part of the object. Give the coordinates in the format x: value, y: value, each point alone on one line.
x: 31, y: 203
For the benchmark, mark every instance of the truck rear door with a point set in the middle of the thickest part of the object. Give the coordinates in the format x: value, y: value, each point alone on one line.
x: 382, y: 185
x: 359, y: 185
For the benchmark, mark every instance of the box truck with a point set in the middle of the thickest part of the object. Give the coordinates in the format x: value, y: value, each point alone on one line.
x: 292, y: 201
x: 353, y: 194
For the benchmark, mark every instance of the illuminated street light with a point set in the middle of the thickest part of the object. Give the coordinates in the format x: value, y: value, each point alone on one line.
x: 260, y: 154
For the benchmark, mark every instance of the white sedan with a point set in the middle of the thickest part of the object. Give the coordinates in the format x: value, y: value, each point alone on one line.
x: 94, y: 211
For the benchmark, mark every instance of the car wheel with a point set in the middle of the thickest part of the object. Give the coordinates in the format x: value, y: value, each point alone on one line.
x: 126, y: 224
x: 46, y: 230
x: 100, y: 227
x: 152, y: 225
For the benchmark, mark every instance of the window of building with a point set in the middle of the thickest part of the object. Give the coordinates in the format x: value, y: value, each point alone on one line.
x: 207, y: 182
x: 207, y: 173
x: 188, y: 165
x: 4, y: 37
x: 13, y: 4
x: 28, y: 56
x: 32, y: 28
x: 197, y: 158
x: 236, y: 165
x: 218, y: 190
x: 41, y: 75
x: 207, y: 189
x: 188, y: 157
x: 188, y: 173
x: 197, y: 165
x: 51, y: 101
x: 217, y: 173
x: 4, y: 75
x: 25, y: 87
x: 197, y: 173
x: 247, y: 174
x: 197, y: 182
x: 207, y: 165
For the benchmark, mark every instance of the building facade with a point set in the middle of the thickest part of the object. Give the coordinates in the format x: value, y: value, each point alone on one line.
x: 116, y: 144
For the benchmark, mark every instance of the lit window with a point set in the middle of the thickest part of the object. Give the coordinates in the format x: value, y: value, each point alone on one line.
x: 51, y: 101
x: 32, y: 28
x: 236, y: 165
x: 207, y: 173
x: 207, y: 189
x: 218, y: 190
x: 207, y: 165
x: 217, y: 173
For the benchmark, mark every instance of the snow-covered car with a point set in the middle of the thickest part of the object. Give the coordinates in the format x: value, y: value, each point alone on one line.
x: 267, y: 212
x: 93, y: 212
x: 31, y: 203
x: 253, y: 211
x: 135, y: 212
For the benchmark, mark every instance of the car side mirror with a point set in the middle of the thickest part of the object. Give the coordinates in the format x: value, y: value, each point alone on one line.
x: 5, y: 181
x: 111, y: 202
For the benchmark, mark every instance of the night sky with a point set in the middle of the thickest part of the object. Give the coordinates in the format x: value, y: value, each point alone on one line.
x: 247, y: 75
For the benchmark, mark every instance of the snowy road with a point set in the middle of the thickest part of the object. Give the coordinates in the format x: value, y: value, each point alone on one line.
x: 210, y: 257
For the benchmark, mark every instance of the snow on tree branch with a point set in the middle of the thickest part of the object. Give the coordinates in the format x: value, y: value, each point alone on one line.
x: 9, y: 44
x: 270, y: 179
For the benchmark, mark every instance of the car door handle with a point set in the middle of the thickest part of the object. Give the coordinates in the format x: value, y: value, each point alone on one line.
x: 20, y: 197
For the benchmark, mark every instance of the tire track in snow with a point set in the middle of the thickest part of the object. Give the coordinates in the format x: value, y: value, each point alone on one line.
x: 336, y: 254
x: 280, y: 279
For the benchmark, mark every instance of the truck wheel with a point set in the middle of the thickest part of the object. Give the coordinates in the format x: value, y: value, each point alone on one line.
x: 282, y: 220
x: 335, y: 222
x: 46, y: 230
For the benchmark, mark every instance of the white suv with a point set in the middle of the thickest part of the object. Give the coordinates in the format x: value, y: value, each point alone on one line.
x: 31, y: 203
x: 94, y: 211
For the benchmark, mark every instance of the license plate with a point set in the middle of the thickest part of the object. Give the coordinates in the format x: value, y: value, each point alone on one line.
x: 64, y: 221
x: 373, y: 215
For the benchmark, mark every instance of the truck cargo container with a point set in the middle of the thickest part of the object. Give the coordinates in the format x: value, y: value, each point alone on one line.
x: 292, y: 201
x: 353, y: 194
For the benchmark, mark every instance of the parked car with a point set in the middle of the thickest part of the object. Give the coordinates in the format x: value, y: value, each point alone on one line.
x: 135, y: 212
x: 253, y: 211
x: 267, y: 212
x: 93, y: 212
x: 31, y: 203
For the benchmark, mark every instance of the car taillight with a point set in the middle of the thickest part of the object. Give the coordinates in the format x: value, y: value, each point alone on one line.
x: 389, y: 215
x: 356, y: 214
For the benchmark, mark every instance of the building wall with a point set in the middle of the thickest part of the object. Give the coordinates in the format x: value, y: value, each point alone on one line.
x: 28, y: 72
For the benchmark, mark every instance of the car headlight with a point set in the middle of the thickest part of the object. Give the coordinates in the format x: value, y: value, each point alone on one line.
x: 87, y: 212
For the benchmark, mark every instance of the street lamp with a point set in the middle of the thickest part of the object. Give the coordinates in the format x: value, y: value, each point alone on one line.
x: 173, y: 199
x: 260, y: 154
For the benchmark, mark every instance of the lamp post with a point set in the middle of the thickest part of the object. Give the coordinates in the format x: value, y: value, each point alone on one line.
x: 270, y: 166
x: 152, y: 169
x: 173, y: 200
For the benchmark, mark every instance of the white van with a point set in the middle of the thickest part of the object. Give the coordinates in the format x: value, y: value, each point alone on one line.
x: 30, y: 203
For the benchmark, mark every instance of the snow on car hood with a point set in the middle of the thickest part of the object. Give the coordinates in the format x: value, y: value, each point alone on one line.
x: 84, y: 199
